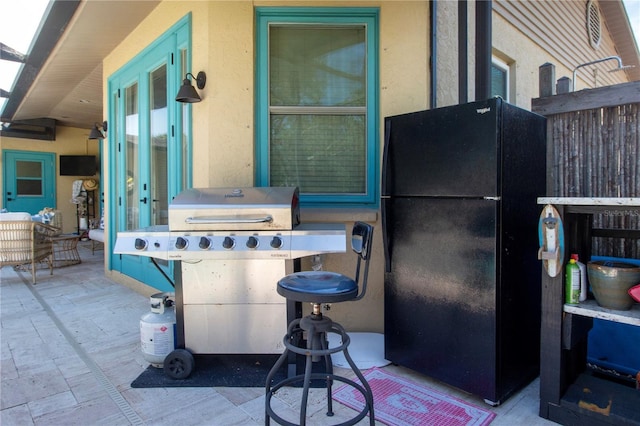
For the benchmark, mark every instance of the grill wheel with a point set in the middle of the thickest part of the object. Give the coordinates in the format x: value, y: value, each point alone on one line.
x: 179, y: 364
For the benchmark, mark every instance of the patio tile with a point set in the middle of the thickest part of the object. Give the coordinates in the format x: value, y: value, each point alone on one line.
x: 31, y: 388
x: 239, y: 396
x: 16, y: 416
x: 153, y: 404
x: 71, y: 366
x: 89, y: 413
x: 8, y: 369
x: 48, y: 380
x: 51, y: 403
x: 214, y: 410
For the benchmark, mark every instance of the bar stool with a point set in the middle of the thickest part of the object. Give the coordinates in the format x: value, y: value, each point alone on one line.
x: 317, y: 288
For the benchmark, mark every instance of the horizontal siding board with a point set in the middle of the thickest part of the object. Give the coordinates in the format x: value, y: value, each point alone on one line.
x: 536, y: 30
x: 559, y: 28
x: 544, y: 33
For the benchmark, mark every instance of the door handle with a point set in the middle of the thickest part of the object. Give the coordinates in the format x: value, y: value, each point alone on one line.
x: 143, y: 200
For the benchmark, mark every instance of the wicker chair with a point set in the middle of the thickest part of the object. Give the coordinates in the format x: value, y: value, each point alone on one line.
x: 25, y: 243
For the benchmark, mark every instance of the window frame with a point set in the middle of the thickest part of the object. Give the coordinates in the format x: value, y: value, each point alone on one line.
x: 369, y: 17
x: 503, y: 66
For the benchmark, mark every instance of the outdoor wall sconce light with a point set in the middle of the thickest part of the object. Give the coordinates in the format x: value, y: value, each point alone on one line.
x: 96, y: 133
x: 187, y: 93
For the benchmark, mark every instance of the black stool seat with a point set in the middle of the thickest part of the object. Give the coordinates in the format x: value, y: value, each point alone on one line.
x: 317, y: 288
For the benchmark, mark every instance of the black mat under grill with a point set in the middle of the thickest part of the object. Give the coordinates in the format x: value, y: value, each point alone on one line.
x: 220, y: 371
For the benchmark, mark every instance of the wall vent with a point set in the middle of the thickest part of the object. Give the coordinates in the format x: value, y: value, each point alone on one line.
x: 594, y: 21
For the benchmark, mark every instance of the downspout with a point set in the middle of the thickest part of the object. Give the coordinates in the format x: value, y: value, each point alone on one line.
x: 483, y: 49
x: 463, y: 65
x: 433, y: 40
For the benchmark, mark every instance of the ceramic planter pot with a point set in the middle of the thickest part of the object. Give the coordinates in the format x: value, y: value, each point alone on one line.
x: 611, y: 281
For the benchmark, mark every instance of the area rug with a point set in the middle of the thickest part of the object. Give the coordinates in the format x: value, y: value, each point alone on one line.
x: 401, y: 402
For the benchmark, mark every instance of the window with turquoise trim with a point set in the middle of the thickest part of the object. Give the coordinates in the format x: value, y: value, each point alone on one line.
x: 317, y: 103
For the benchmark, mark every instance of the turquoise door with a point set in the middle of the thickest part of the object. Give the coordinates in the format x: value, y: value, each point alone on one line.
x: 29, y: 181
x: 146, y: 176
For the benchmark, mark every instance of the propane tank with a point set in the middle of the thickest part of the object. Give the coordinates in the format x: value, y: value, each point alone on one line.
x: 158, y: 329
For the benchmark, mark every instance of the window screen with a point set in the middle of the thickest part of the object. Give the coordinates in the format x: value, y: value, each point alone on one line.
x: 317, y: 78
x: 500, y: 79
x: 317, y: 89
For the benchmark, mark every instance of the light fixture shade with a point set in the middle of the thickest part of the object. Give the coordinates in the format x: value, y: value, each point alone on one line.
x: 95, y: 133
x: 187, y: 93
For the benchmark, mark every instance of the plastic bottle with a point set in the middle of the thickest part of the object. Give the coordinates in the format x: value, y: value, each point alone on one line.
x: 583, y: 278
x: 572, y: 283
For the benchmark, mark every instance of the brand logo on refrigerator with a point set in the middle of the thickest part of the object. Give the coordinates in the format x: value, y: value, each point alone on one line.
x: 483, y: 110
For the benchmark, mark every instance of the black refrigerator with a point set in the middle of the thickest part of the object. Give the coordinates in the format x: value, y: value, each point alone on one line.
x: 460, y: 219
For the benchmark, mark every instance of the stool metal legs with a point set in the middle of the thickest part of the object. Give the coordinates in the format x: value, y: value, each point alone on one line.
x: 316, y: 328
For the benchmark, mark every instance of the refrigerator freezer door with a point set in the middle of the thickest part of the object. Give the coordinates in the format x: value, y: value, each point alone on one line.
x: 451, y: 151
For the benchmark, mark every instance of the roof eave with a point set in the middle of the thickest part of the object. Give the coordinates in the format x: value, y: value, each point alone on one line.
x: 617, y: 21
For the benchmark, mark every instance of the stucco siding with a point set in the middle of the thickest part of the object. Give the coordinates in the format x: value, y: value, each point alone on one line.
x: 447, y: 71
x: 230, y: 68
x: 524, y: 58
x: 404, y: 57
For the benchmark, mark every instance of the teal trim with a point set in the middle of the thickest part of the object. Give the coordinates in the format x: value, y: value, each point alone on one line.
x: 184, y: 41
x: 164, y: 51
x: 315, y: 14
x: 367, y: 16
x: 184, y: 24
x: 32, y: 203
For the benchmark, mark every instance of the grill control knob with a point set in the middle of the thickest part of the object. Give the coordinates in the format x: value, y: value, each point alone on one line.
x: 140, y: 244
x: 181, y: 243
x: 252, y: 242
x: 228, y: 243
x: 276, y: 242
x: 204, y: 243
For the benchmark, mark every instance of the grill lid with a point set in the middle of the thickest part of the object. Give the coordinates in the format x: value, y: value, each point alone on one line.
x: 253, y: 208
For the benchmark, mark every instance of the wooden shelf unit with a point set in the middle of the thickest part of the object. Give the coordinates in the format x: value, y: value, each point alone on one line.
x: 89, y: 206
x: 590, y: 308
x: 569, y: 393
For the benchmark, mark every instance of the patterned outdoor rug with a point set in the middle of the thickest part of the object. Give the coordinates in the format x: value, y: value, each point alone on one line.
x: 400, y: 402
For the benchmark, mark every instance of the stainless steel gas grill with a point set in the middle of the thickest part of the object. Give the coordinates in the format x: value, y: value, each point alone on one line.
x: 233, y: 244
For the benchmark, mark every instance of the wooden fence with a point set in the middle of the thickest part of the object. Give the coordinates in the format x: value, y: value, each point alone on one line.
x: 593, y: 150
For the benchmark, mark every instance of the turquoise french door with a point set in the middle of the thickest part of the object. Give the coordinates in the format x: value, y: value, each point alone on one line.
x: 29, y: 181
x: 149, y: 150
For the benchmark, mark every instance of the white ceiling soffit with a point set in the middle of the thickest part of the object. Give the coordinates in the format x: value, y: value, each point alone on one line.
x: 622, y: 34
x: 68, y: 88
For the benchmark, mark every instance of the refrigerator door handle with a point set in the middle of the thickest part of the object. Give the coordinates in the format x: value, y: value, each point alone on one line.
x: 385, y: 237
